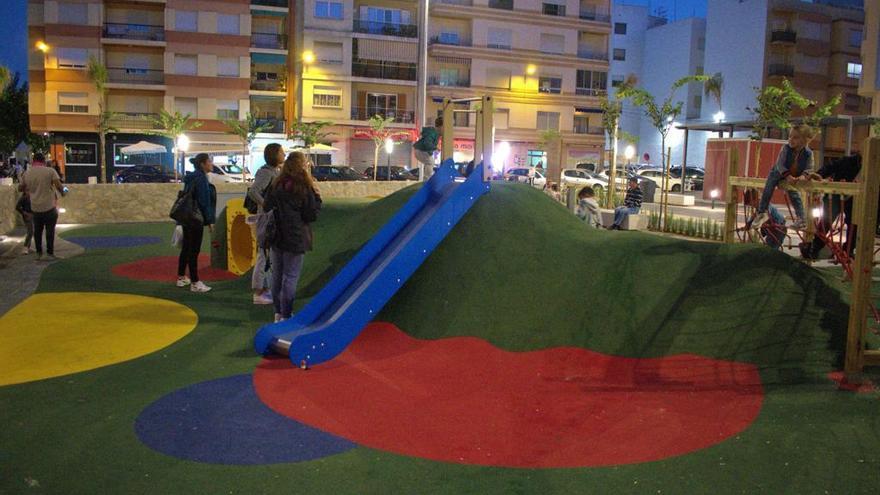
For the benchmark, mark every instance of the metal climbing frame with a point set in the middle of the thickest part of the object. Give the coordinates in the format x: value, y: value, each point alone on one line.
x: 865, y: 194
x: 484, y: 131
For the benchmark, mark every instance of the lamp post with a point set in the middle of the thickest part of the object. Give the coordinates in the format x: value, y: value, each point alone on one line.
x: 629, y: 153
x: 308, y: 59
x: 389, y: 148
x: 182, y: 146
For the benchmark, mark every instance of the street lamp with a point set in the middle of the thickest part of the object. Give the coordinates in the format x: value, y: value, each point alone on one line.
x: 530, y: 71
x: 629, y: 153
x: 719, y: 117
x: 182, y: 146
x: 714, y: 195
x: 389, y: 148
x: 308, y: 58
x: 42, y: 46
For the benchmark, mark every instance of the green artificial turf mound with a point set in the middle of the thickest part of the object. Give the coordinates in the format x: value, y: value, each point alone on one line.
x: 520, y: 272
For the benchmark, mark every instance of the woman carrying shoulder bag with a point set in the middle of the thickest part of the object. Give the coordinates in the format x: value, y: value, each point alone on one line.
x: 206, y: 197
x: 295, y: 200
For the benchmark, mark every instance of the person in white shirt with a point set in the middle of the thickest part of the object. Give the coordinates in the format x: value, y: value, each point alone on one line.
x: 43, y: 186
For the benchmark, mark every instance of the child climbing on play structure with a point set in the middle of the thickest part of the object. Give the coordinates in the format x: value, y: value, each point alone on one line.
x: 632, y: 203
x: 426, y: 146
x: 793, y: 163
x: 588, y: 208
x: 772, y: 231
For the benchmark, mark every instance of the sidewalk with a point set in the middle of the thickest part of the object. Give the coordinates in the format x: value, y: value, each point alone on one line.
x: 20, y: 274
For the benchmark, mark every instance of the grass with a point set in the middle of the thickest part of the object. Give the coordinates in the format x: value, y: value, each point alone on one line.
x: 520, y: 272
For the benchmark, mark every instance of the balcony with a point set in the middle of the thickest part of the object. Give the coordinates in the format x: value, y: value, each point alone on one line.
x: 266, y: 84
x: 134, y: 120
x: 588, y: 129
x: 449, y: 41
x: 591, y: 92
x: 781, y: 70
x: 463, y: 3
x: 596, y: 14
x: 384, y: 70
x: 274, y: 126
x: 269, y: 41
x: 142, y: 32
x: 783, y: 36
x: 501, y: 4
x: 592, y: 53
x: 399, y: 116
x: 386, y: 28
x: 271, y: 3
x: 449, y: 82
x: 129, y: 75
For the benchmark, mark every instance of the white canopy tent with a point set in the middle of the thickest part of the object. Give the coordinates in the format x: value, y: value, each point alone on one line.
x: 143, y: 148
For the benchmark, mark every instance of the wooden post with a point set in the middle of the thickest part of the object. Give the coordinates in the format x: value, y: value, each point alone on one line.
x: 448, y: 146
x: 731, y: 194
x: 478, y: 138
x: 866, y: 220
x: 487, y: 111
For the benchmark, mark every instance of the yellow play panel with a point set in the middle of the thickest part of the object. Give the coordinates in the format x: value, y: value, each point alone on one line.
x: 55, y: 334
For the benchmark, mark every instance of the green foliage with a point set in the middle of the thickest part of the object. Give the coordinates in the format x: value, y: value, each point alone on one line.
x: 38, y: 143
x: 379, y: 132
x: 775, y: 104
x: 5, y: 76
x: 547, y: 138
x: 714, y: 88
x: 700, y: 228
x: 172, y: 125
x: 246, y: 129
x: 14, y: 122
x: 310, y: 133
x: 661, y: 115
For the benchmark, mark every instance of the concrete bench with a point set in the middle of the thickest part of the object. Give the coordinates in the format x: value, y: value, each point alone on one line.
x: 632, y: 222
x: 680, y: 199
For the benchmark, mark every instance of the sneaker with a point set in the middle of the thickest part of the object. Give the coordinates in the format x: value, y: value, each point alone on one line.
x: 278, y: 317
x: 39, y: 256
x: 199, y: 287
x: 265, y: 298
x: 799, y: 224
x: 183, y: 281
x: 25, y: 250
x: 760, y: 219
x: 49, y: 257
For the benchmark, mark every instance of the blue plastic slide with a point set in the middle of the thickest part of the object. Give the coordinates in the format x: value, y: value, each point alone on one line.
x: 334, y: 317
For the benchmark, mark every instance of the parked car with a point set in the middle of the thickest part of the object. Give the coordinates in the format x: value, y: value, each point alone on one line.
x: 220, y: 175
x: 521, y: 174
x: 620, y: 180
x: 589, y: 167
x: 143, y: 173
x: 693, y: 177
x: 397, y: 173
x: 656, y: 175
x: 580, y: 177
x: 336, y: 173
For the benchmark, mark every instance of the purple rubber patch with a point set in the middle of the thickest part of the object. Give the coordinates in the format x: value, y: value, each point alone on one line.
x: 224, y: 422
x: 113, y: 241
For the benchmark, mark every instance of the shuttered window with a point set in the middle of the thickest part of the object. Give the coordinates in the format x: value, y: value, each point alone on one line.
x: 187, y: 106
x: 73, y: 102
x: 186, y: 20
x: 227, y: 66
x: 228, y: 24
x: 186, y: 65
x: 227, y: 109
x: 328, y: 53
x: 552, y: 43
x: 73, y: 13
x: 499, y: 38
x: 498, y: 78
x: 72, y: 58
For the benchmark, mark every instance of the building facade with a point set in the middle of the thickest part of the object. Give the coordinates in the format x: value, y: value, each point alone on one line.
x: 869, y: 85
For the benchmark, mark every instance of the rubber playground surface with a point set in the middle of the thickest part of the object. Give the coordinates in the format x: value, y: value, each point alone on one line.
x: 527, y: 354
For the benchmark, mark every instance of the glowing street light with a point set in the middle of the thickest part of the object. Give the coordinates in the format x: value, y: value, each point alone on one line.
x: 308, y: 57
x: 714, y: 195
x: 531, y: 69
x: 389, y: 148
x: 42, y: 46
x: 629, y: 152
x: 719, y: 117
x: 183, y: 143
x: 817, y: 212
x: 500, y: 156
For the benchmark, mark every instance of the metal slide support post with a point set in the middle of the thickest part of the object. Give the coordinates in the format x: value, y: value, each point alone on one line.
x: 487, y: 111
x: 866, y: 221
x: 448, y: 146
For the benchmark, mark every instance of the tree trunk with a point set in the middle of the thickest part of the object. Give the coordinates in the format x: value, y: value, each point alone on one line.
x: 244, y: 170
x: 612, y: 191
x: 174, y: 160
x: 664, y: 188
x: 375, y: 162
x: 102, y: 138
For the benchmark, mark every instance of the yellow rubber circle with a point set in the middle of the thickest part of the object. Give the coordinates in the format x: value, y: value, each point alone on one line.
x: 55, y: 334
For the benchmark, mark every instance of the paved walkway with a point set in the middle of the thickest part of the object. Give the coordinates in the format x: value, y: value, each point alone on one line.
x: 20, y: 274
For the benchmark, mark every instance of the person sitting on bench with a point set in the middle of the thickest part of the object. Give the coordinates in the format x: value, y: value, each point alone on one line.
x: 632, y: 203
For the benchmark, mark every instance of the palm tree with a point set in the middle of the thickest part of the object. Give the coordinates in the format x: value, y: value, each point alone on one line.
x: 310, y: 133
x: 172, y: 126
x: 714, y: 87
x: 5, y: 76
x: 98, y: 75
x: 611, y: 111
x: 379, y: 132
x: 247, y: 131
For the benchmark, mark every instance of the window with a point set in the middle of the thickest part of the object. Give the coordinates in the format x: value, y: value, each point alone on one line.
x: 701, y: 43
x: 616, y: 80
x: 448, y: 76
x: 498, y: 78
x: 852, y: 102
x: 499, y: 38
x: 812, y: 65
x: 187, y: 106
x: 328, y: 10
x: 379, y: 16
x: 592, y: 83
x: 73, y: 13
x: 227, y: 66
x: 536, y: 159
x: 227, y: 109
x: 73, y: 102
x: 853, y: 70
x: 814, y: 30
x: 328, y: 53
x: 552, y: 43
x: 581, y: 124
x: 78, y: 154
x: 327, y: 97
x: 619, y: 28
x: 501, y: 118
x: 186, y: 65
x: 855, y: 38
x: 549, y: 84
x: 548, y: 120
x: 449, y: 38
x: 381, y: 104
x: 228, y: 24
x: 620, y: 54
x: 72, y: 58
x: 553, y: 9
x: 186, y: 20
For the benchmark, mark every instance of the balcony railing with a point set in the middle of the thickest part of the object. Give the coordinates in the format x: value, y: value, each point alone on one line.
x: 591, y: 92
x: 271, y: 3
x: 384, y: 70
x: 501, y: 4
x: 400, y: 116
x: 130, y: 75
x: 268, y: 85
x: 274, y: 126
x: 143, y: 32
x: 464, y: 3
x: 134, y: 120
x: 598, y: 14
x: 592, y: 54
x: 450, y: 82
x: 386, y: 28
x: 588, y: 129
x: 783, y: 36
x: 439, y: 40
x: 785, y: 70
x: 271, y: 41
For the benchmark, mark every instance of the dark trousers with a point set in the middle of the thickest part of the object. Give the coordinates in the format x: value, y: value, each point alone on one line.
x: 189, y: 252
x: 45, y: 220
x: 831, y: 208
x: 773, y: 179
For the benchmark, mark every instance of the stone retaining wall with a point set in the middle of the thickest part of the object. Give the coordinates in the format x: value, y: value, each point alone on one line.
x: 8, y: 216
x: 119, y: 203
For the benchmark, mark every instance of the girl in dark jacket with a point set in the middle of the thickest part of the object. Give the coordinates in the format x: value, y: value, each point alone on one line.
x: 296, y: 202
x: 206, y: 196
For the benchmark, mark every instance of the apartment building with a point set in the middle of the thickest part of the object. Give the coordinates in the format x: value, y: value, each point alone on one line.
x: 205, y: 58
x: 756, y: 43
x: 869, y: 84
x: 545, y: 62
